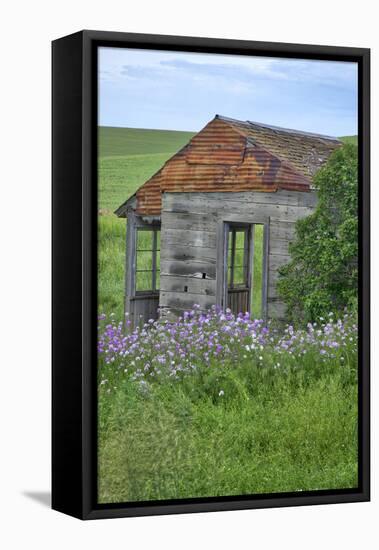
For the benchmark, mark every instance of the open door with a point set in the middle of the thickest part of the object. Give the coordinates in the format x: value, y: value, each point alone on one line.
x: 244, y: 272
x: 239, y: 268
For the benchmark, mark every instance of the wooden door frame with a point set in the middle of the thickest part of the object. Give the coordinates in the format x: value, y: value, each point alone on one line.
x: 222, y: 257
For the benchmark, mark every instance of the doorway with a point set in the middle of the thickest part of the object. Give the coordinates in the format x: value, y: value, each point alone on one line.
x: 244, y: 272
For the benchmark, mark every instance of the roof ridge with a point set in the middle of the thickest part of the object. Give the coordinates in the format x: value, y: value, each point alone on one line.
x: 230, y: 119
x: 277, y: 128
x: 292, y: 131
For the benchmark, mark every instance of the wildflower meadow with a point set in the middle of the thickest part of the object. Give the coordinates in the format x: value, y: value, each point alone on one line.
x: 216, y: 404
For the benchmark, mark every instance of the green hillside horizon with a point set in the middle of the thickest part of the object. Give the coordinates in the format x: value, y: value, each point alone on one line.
x: 117, y: 141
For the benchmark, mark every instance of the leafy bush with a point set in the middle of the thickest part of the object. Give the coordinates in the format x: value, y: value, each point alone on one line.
x: 322, y: 275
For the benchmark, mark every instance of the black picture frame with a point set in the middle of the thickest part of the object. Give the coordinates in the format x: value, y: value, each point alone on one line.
x: 74, y: 175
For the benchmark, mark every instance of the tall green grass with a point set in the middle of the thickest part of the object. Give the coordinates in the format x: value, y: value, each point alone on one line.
x: 111, y: 265
x: 290, y: 429
x: 256, y: 295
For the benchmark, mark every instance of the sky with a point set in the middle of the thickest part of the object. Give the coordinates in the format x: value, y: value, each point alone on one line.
x: 184, y: 91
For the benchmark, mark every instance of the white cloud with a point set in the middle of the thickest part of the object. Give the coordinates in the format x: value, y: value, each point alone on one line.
x: 177, y: 90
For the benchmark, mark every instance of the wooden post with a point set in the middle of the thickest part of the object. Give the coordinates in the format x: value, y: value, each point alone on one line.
x: 265, y: 267
x: 130, y: 264
x: 154, y: 260
x: 221, y: 262
x: 250, y: 262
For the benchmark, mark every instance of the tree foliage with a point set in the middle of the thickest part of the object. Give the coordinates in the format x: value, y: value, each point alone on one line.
x: 322, y: 276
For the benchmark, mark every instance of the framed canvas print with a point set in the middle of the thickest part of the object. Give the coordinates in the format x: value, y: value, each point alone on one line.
x: 210, y: 274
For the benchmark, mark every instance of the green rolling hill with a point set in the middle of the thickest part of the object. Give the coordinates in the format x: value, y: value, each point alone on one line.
x: 128, y: 157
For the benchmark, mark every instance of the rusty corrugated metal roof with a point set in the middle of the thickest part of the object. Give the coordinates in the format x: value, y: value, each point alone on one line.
x: 232, y: 156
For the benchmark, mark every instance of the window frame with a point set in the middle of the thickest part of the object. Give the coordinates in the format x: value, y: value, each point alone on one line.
x: 154, y: 229
x: 246, y: 229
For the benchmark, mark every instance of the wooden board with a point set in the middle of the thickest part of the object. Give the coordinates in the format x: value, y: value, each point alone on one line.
x: 253, y: 210
x: 189, y: 253
x: 183, y: 301
x: 144, y: 308
x: 194, y: 285
x: 207, y: 204
x: 189, y: 221
x: 183, y: 238
x: 172, y: 201
x: 188, y: 268
x: 276, y: 309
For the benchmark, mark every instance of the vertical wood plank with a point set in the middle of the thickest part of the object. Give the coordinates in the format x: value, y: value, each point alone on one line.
x: 232, y: 258
x: 265, y: 268
x: 130, y: 263
x: 250, y: 266
x: 154, y: 260
x: 220, y: 264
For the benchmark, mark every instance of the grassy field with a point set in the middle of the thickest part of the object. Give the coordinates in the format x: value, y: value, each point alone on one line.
x: 118, y: 142
x: 226, y: 419
x: 276, y: 435
x: 232, y: 427
x: 349, y: 139
x: 127, y: 158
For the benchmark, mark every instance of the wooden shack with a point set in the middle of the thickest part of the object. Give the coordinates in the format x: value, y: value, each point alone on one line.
x: 191, y: 228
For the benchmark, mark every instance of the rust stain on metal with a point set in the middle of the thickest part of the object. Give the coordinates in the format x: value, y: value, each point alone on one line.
x: 234, y: 156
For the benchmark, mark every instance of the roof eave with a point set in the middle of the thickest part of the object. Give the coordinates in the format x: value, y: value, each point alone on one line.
x: 124, y: 208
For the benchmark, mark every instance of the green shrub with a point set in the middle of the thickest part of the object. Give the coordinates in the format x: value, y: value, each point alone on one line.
x: 322, y: 275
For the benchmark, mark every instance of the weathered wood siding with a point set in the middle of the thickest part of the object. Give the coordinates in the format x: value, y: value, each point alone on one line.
x: 191, y: 247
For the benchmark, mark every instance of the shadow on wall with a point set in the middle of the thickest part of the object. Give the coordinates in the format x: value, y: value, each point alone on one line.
x: 41, y: 497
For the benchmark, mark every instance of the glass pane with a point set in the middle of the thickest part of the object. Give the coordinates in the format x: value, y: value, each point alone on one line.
x: 158, y: 260
x: 239, y: 275
x: 256, y: 301
x: 158, y: 232
x: 143, y: 280
x: 144, y: 260
x: 239, y: 258
x: 240, y: 239
x: 144, y: 239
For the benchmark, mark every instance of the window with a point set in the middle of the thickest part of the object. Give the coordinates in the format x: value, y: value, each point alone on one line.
x: 148, y: 259
x: 238, y: 254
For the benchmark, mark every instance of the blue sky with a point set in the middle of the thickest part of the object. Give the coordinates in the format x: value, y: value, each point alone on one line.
x: 183, y: 91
